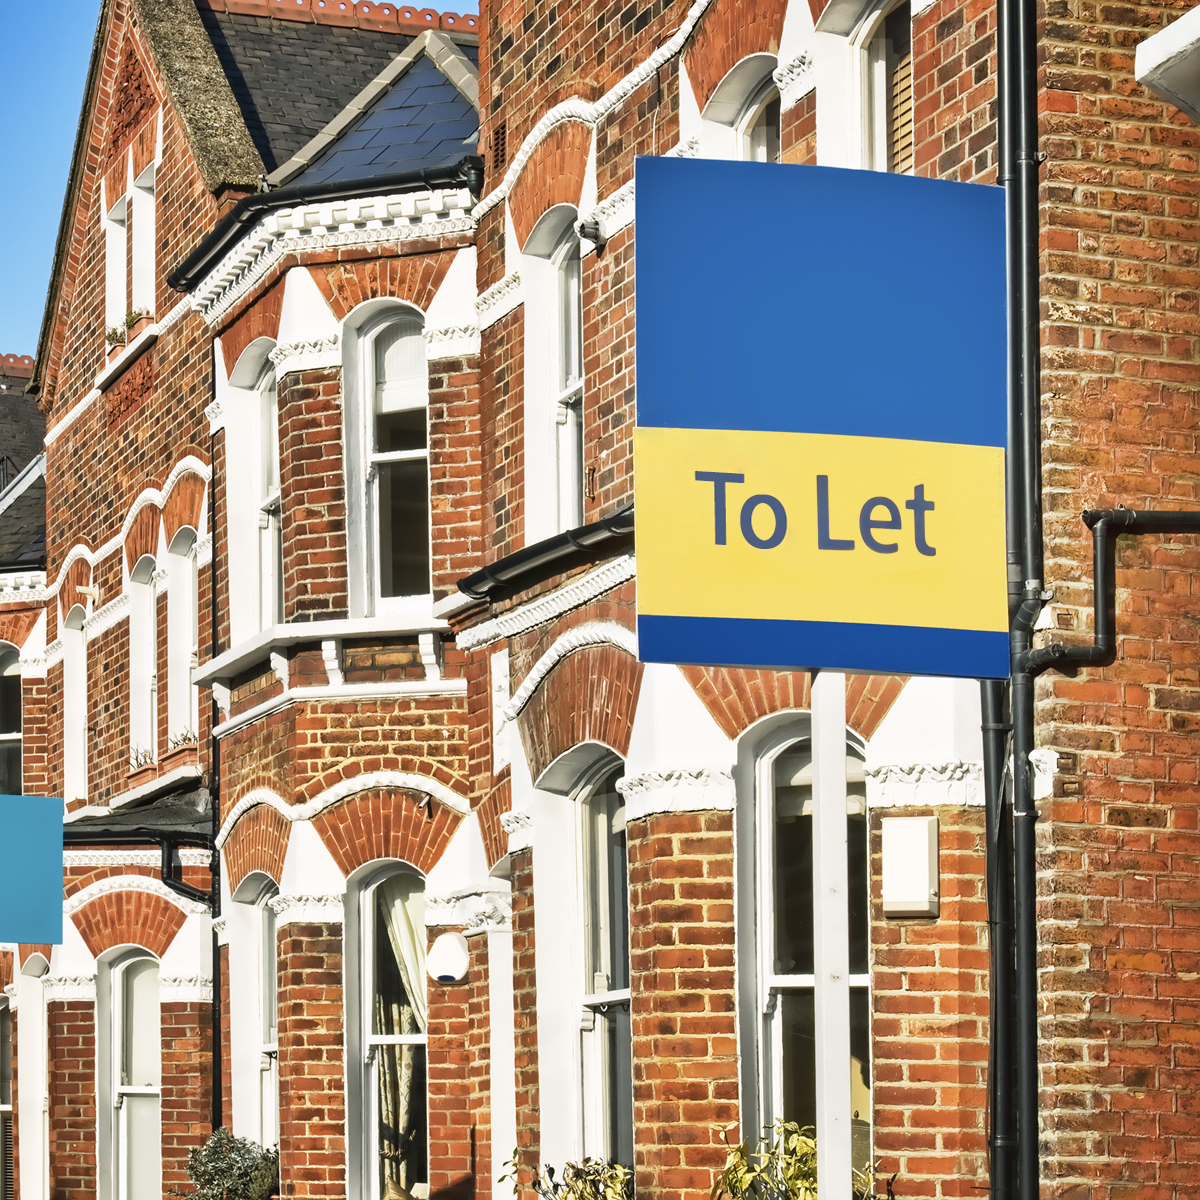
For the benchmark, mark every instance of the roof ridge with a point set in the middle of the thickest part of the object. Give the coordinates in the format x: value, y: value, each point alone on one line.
x: 366, y: 14
x: 19, y: 365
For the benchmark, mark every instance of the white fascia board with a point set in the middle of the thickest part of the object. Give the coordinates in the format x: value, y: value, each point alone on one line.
x: 1168, y: 63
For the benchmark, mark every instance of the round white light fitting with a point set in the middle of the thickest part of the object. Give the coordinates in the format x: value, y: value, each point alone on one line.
x: 449, y: 958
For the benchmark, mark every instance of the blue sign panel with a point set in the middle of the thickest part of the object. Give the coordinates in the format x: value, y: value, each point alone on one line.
x: 821, y: 408
x: 31, y: 875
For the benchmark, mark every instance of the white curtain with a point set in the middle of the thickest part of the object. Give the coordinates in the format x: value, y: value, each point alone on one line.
x: 402, y: 902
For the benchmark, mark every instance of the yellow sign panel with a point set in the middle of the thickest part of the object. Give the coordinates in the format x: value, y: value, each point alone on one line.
x: 815, y: 527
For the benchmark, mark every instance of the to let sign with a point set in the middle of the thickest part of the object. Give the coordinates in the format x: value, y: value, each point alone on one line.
x: 819, y: 459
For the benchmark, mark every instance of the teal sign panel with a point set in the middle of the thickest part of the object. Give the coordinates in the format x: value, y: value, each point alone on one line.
x: 31, y: 873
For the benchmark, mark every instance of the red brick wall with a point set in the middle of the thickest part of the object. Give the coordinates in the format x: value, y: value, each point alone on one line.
x: 479, y: 1066
x: 313, y: 496
x: 502, y: 420
x: 798, y: 132
x: 528, y: 1093
x: 552, y: 175
x: 186, y: 1085
x: 453, y: 1136
x: 685, y: 1061
x: 312, y: 1099
x: 727, y: 33
x: 71, y: 1026
x: 929, y: 1022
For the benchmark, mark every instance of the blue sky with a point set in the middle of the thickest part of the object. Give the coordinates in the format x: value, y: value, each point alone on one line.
x: 45, y: 62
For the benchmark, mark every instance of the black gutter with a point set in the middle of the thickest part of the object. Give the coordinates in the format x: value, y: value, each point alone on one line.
x: 187, y: 274
x: 514, y: 570
x: 168, y: 840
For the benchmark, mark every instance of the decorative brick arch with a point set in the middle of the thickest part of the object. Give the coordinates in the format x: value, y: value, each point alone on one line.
x: 26, y: 950
x: 730, y: 31
x: 184, y: 505
x: 497, y: 802
x: 260, y: 320
x: 142, y: 538
x: 552, y: 175
x: 258, y: 842
x: 415, y: 278
x: 589, y: 696
x: 6, y: 968
x: 736, y: 697
x: 128, y: 918
x: 16, y: 625
x: 387, y: 823
x: 79, y: 574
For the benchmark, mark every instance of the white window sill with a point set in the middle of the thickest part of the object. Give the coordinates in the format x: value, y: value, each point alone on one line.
x: 258, y: 648
x: 124, y: 360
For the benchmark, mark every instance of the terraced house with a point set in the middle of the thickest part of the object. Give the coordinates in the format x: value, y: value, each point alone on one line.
x: 335, y: 653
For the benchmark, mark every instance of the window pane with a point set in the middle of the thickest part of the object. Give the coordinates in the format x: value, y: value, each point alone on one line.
x: 860, y: 1078
x: 858, y: 881
x: 404, y: 430
x: 793, y: 868
x: 403, y: 1128
x: 142, y: 1168
x: 898, y: 35
x: 270, y: 437
x: 796, y: 1012
x: 10, y: 703
x: 140, y: 1025
x: 5, y: 1056
x: 269, y: 981
x: 570, y: 318
x: 403, y: 529
x: 607, y: 964
x: 10, y: 769
x: 763, y: 131
x: 401, y: 374
x: 619, y: 1032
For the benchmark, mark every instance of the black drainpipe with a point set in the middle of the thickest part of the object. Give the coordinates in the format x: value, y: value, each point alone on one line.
x: 168, y: 842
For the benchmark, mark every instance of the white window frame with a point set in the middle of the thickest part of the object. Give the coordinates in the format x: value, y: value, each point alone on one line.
x: 362, y: 1043
x: 873, y: 85
x: 733, y: 106
x: 74, y: 706
x: 116, y: 263
x: 142, y: 241
x: 268, y: 999
x: 112, y: 1092
x: 269, y: 512
x: 597, y: 1100
x: 568, y: 411
x: 832, y: 746
x: 362, y: 463
x: 10, y: 665
x: 758, y: 101
x: 143, y: 664
x: 183, y: 649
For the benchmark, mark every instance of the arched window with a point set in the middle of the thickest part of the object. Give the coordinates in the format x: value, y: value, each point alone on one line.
x: 183, y: 651
x: 389, y: 1036
x: 607, y: 1037
x: 143, y: 665
x: 270, y: 511
x: 74, y: 706
x: 10, y: 720
x: 889, y: 93
x: 397, y: 445
x: 131, y: 1078
x: 790, y: 908
x: 760, y: 125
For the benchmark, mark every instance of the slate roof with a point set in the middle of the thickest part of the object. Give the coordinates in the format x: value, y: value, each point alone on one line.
x: 423, y: 120
x: 184, y: 813
x: 22, y: 478
x: 23, y: 526
x: 291, y: 78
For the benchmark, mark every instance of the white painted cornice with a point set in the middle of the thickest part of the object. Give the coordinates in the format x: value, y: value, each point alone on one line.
x: 331, y: 225
x: 453, y: 341
x: 104, y: 618
x: 794, y: 80
x: 130, y: 858
x: 185, y: 989
x: 336, y: 794
x: 518, y: 824
x: 325, y: 909
x: 320, y: 354
x: 473, y: 909
x: 499, y: 300
x: 689, y: 789
x: 547, y: 608
x: 69, y: 987
x: 894, y: 785
x: 130, y: 883
x: 593, y: 633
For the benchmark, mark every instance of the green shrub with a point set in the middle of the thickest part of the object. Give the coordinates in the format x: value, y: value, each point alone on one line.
x: 232, y: 1168
x: 592, y: 1179
x: 779, y: 1168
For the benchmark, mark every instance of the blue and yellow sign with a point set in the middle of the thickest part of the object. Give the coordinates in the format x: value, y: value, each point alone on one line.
x: 819, y: 460
x: 31, y: 875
